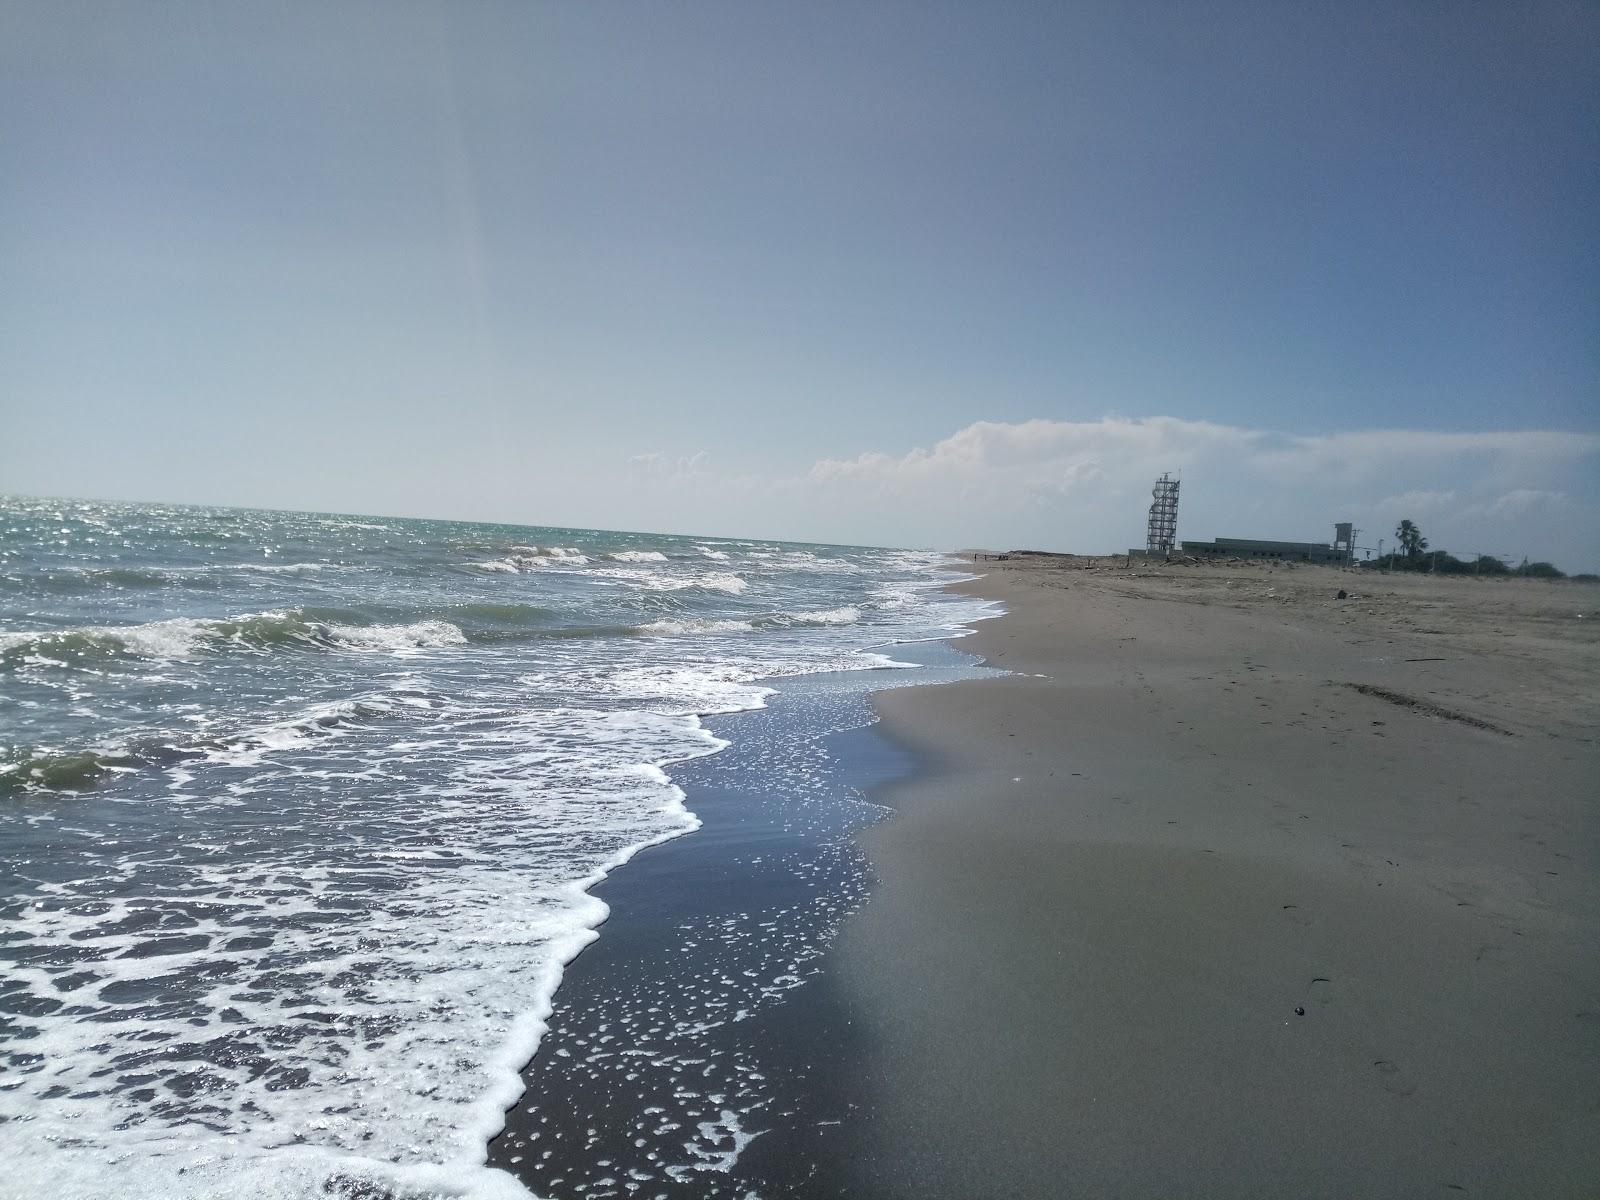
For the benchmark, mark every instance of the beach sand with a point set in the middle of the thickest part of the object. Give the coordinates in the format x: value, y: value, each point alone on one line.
x: 1236, y: 889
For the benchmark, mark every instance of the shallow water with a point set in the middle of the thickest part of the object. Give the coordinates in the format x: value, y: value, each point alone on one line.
x: 298, y: 814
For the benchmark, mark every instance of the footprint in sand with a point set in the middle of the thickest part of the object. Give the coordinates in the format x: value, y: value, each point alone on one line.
x: 1295, y: 916
x: 1396, y: 1080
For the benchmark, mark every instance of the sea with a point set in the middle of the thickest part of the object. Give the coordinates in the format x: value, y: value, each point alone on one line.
x: 302, y: 817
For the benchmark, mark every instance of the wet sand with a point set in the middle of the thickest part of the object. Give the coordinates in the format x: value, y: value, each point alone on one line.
x: 696, y: 1048
x: 1235, y: 889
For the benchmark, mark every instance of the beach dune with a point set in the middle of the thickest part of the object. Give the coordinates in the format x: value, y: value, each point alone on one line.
x: 1234, y: 888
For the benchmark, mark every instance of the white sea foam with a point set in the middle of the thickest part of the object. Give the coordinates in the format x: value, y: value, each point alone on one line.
x: 676, y: 626
x: 637, y: 556
x: 846, y: 614
x: 314, y: 721
x: 699, y: 687
x: 726, y: 582
x: 717, y: 1148
x: 530, y: 558
x: 422, y: 1025
x: 422, y: 635
x: 177, y: 638
x: 186, y: 637
x: 810, y: 561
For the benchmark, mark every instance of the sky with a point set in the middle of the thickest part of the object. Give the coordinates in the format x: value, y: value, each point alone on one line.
x: 896, y: 273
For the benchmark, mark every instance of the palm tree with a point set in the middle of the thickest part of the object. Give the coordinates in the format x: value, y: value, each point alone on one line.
x: 1410, y: 538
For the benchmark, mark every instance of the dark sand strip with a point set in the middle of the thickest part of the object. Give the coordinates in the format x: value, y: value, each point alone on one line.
x: 1189, y: 917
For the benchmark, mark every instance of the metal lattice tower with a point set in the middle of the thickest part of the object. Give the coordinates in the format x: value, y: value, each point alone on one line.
x: 1162, y: 533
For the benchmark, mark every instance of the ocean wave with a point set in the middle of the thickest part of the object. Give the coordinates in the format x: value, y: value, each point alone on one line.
x: 528, y: 558
x: 570, y: 552
x: 356, y: 525
x: 85, y: 579
x: 904, y: 594
x: 847, y: 614
x: 641, y: 578
x: 138, y: 577
x: 808, y: 560
x: 637, y: 556
x: 727, y: 582
x: 185, y: 637
x: 422, y: 635
x: 653, y: 581
x: 36, y: 769
x: 30, y: 769
x: 299, y: 568
x: 509, y: 613
x: 677, y: 626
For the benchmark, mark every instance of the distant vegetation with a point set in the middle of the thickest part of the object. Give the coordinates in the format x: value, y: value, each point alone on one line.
x: 1414, y: 555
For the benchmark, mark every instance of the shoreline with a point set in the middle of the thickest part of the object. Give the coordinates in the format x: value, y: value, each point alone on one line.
x: 1198, y: 902
x: 690, y: 1050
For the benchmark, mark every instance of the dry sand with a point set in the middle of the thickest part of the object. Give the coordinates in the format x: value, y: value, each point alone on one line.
x: 1235, y: 889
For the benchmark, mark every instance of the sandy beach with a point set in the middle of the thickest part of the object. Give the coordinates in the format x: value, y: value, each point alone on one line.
x: 1237, y: 889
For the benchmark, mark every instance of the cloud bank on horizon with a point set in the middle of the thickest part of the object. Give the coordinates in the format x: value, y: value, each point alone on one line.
x: 1085, y: 485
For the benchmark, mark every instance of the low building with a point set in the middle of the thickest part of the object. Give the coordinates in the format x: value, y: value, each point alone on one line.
x: 1313, y: 552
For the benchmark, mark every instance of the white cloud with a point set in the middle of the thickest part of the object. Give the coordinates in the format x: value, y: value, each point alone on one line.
x: 659, y: 466
x: 1418, y: 501
x: 1527, y: 500
x: 1053, y: 447
x: 1039, y: 450
x: 1085, y: 485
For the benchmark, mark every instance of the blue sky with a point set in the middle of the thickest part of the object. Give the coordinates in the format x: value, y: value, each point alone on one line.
x: 659, y: 264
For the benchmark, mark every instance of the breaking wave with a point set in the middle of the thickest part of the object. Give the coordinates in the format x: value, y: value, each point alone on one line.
x: 725, y: 582
x: 185, y: 637
x: 35, y: 769
x: 679, y: 626
x: 529, y: 558
x: 844, y: 615
x: 299, y: 568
